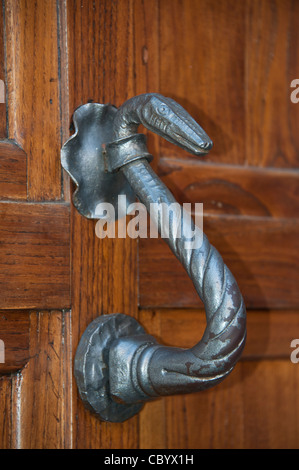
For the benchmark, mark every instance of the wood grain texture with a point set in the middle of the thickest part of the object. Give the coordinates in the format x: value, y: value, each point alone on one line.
x: 5, y: 412
x: 272, y: 40
x: 269, y: 333
x: 62, y: 54
x: 255, y: 407
x: 153, y: 422
x: 62, y: 27
x: 202, y: 66
x: 13, y: 171
x: 262, y: 254
x: 34, y: 255
x: 3, y: 130
x: 234, y: 81
x: 232, y: 189
x: 103, y: 281
x: 104, y: 272
x: 14, y: 332
x: 41, y: 393
x: 244, y: 71
x: 35, y: 403
x: 33, y: 92
x: 146, y: 17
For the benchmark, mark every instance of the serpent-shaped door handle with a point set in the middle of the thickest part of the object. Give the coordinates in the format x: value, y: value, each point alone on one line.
x: 118, y: 366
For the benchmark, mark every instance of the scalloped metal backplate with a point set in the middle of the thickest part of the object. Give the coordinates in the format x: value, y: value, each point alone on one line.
x: 91, y: 366
x: 82, y: 157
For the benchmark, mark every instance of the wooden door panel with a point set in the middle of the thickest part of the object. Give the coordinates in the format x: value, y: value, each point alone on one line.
x: 265, y: 263
x: 255, y: 407
x: 199, y: 70
x: 34, y: 254
x: 271, y: 43
x: 38, y: 413
x: 14, y: 332
x: 230, y: 64
x: 269, y: 332
x: 232, y: 189
x: 249, y: 411
x: 104, y: 272
x: 13, y: 172
x: 240, y: 89
x: 5, y: 410
x: 35, y: 382
x: 33, y: 92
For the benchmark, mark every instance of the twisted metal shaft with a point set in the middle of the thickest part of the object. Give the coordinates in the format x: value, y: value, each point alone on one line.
x: 164, y: 370
x: 174, y: 370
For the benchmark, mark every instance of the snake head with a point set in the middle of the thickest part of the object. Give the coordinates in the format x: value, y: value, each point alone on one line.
x: 167, y: 118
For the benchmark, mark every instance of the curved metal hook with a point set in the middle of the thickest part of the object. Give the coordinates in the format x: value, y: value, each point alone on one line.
x: 139, y: 368
x: 163, y: 370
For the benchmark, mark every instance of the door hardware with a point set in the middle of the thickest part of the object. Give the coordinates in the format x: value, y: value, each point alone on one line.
x: 118, y: 366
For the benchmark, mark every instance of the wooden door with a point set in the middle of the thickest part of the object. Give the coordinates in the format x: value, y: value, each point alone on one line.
x: 230, y: 64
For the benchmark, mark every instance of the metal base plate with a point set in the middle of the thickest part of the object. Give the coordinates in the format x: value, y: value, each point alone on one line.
x: 82, y: 157
x: 91, y: 366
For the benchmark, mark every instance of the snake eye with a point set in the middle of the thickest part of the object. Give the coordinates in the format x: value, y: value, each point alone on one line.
x: 162, y: 109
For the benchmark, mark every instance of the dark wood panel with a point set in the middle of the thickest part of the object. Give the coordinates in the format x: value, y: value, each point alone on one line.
x: 102, y: 54
x: 103, y: 281
x: 202, y: 66
x: 261, y: 252
x: 33, y: 92
x: 3, y: 131
x: 233, y: 190
x: 232, y: 89
x: 35, y: 403
x: 147, y: 58
x: 269, y: 333
x: 64, y: 85
x: 13, y: 171
x: 113, y: 53
x: 103, y: 37
x: 34, y: 255
x: 272, y: 40
x: 14, y: 332
x: 255, y: 407
x: 5, y: 412
x: 41, y: 398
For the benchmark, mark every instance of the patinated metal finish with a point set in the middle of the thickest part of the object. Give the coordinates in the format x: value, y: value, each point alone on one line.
x: 90, y: 367
x: 140, y: 369
x: 82, y: 157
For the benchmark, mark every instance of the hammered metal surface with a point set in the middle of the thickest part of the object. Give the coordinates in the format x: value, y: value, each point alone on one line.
x: 140, y: 369
x: 82, y: 157
x: 91, y: 366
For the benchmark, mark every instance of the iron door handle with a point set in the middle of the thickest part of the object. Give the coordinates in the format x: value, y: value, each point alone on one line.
x: 118, y: 366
